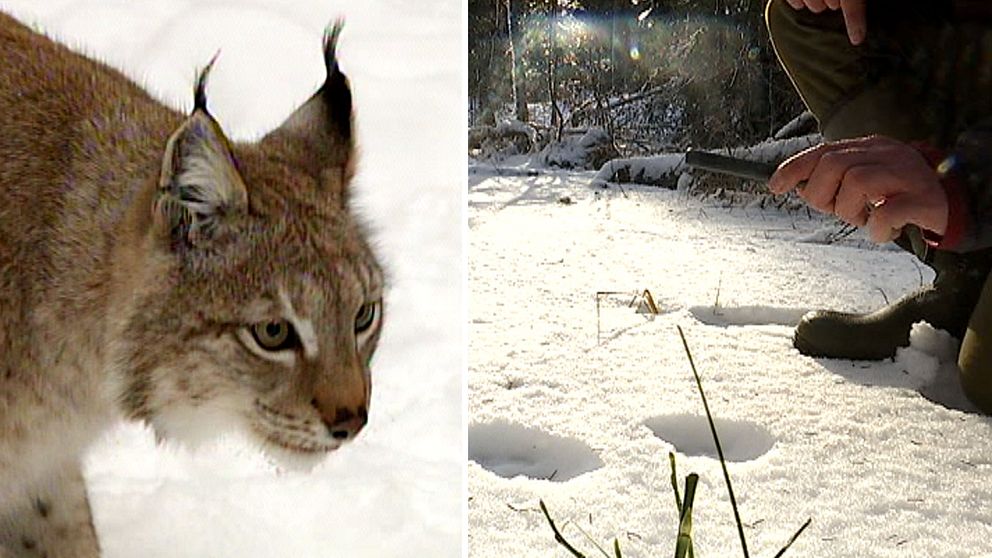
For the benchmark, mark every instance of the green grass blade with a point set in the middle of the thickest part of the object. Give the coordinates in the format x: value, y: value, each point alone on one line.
x: 716, y: 440
x: 591, y: 540
x: 558, y: 536
x: 794, y: 537
x: 693, y: 478
x: 675, y: 483
x: 683, y: 545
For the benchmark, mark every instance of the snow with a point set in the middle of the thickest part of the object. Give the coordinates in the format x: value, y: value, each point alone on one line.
x: 587, y: 150
x: 887, y: 458
x: 398, y: 489
x: 510, y: 450
x: 515, y: 126
x: 690, y: 434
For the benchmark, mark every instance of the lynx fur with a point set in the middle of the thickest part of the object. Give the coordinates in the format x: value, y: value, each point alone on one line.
x: 152, y: 270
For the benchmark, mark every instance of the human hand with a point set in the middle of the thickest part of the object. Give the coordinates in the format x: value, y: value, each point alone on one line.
x: 872, y: 181
x: 854, y: 14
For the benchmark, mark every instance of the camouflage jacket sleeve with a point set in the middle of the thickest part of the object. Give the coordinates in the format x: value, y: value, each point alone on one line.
x: 966, y: 173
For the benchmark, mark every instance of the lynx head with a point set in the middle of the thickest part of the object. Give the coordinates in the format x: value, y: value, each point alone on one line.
x: 267, y: 303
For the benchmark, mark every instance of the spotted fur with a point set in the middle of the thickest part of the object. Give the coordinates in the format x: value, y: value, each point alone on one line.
x: 140, y: 251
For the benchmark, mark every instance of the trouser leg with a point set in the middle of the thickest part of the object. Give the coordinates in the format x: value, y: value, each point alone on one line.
x: 975, y: 358
x: 880, y: 87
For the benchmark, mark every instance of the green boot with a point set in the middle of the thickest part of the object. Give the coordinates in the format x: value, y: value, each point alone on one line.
x: 946, y: 305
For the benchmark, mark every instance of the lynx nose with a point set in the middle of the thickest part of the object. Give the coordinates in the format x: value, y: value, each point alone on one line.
x: 346, y: 423
x: 343, y: 404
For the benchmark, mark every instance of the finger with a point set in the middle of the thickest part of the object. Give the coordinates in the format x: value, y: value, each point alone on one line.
x: 833, y: 169
x: 796, y: 4
x: 881, y: 235
x: 851, y: 204
x: 855, y: 20
x: 800, y: 166
x: 887, y: 220
x: 796, y: 169
x: 815, y: 6
x: 832, y: 4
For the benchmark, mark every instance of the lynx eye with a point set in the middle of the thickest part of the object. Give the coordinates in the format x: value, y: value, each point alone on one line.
x: 366, y: 316
x: 277, y: 335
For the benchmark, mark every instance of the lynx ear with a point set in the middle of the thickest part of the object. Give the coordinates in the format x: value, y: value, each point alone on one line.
x: 320, y: 131
x: 199, y: 183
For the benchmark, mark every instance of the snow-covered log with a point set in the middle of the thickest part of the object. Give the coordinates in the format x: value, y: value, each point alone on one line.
x: 666, y: 169
x: 509, y: 137
x: 801, y: 125
x: 589, y: 151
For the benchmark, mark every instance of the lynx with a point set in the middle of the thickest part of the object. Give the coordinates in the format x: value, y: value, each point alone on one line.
x: 153, y: 270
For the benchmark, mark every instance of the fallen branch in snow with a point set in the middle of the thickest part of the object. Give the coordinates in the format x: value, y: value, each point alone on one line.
x: 801, y: 125
x: 509, y: 137
x: 668, y: 170
x: 592, y: 107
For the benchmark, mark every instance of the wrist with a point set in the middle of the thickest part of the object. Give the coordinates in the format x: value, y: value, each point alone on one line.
x: 938, y: 210
x: 957, y: 216
x: 949, y: 216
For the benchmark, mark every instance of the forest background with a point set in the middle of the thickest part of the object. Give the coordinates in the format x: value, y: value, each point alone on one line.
x: 654, y: 75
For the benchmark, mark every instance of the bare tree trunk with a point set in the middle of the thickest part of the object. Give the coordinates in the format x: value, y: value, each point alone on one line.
x: 768, y: 61
x: 486, y: 103
x: 557, y: 122
x: 516, y: 56
x: 760, y: 107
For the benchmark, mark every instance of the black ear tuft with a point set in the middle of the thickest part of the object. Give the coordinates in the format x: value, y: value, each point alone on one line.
x: 336, y: 91
x: 317, y: 136
x: 200, y: 91
x: 331, y: 35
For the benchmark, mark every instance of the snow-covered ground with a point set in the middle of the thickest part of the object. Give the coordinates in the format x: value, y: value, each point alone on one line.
x: 580, y: 407
x: 397, y: 490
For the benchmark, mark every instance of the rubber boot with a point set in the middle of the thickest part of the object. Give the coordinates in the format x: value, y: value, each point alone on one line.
x: 947, y: 305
